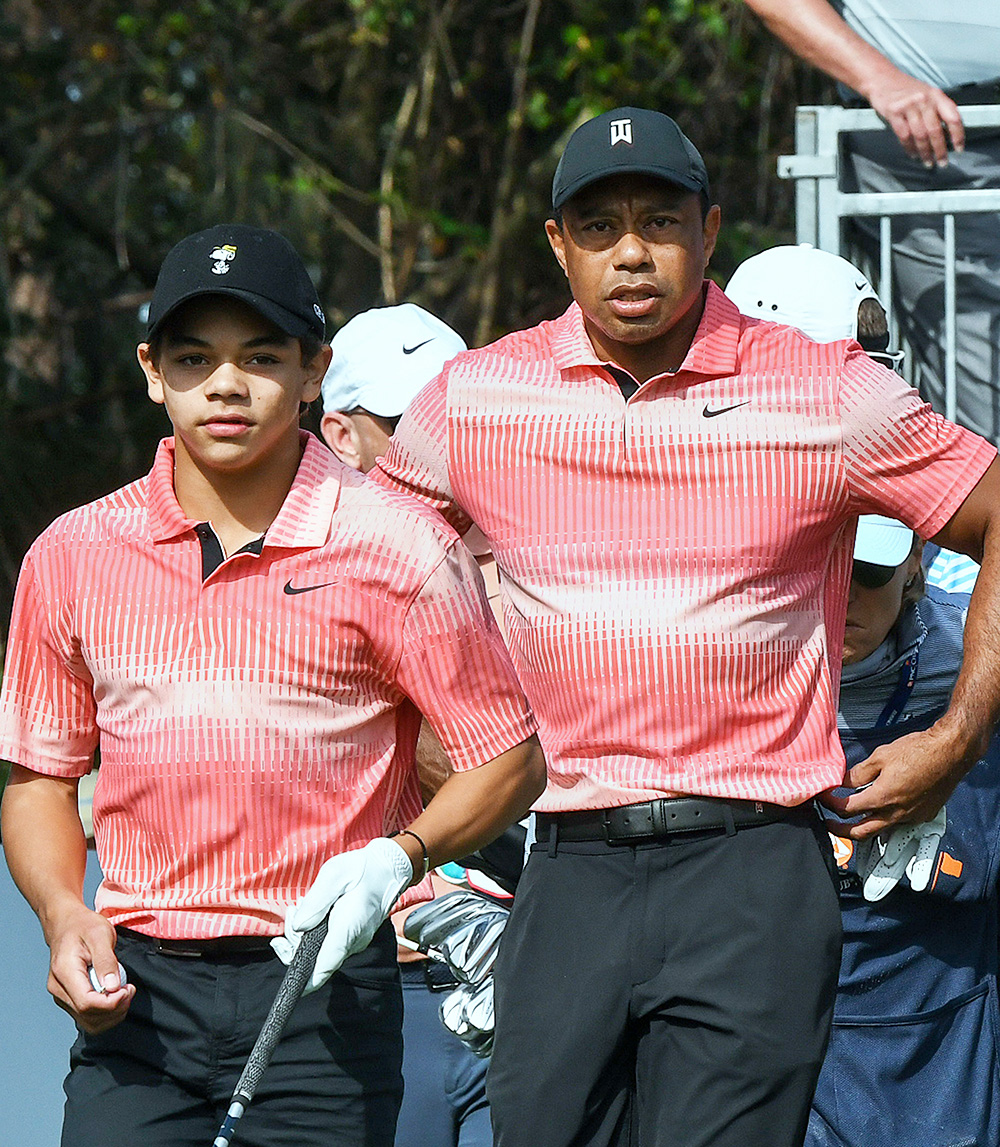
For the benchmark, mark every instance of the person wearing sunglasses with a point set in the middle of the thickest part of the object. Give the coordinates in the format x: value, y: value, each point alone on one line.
x: 914, y: 1055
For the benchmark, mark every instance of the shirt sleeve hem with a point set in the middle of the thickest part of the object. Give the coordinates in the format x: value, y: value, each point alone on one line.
x: 472, y: 754
x: 958, y: 491
x: 46, y: 766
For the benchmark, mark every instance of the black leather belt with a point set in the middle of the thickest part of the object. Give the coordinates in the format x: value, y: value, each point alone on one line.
x: 660, y: 819
x: 220, y: 948
x: 432, y: 974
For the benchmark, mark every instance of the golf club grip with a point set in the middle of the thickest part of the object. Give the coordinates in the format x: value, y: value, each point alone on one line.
x: 292, y: 986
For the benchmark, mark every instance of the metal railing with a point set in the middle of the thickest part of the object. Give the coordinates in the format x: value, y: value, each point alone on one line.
x: 821, y: 208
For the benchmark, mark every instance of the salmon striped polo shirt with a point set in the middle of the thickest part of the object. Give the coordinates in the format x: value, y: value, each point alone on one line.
x: 675, y: 567
x: 255, y: 722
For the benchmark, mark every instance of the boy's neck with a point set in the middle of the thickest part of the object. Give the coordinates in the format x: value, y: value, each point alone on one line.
x: 241, y: 504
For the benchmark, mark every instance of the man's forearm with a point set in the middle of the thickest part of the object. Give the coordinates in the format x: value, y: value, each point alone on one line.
x: 814, y: 32
x: 975, y: 702
x: 924, y: 119
x: 473, y: 807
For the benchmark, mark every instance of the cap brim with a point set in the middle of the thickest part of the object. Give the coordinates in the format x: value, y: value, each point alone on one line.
x: 290, y: 323
x: 667, y: 175
x: 882, y: 542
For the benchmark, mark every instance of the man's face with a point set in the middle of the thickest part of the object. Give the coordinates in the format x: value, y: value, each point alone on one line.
x: 635, y: 250
x: 873, y: 611
x: 231, y: 383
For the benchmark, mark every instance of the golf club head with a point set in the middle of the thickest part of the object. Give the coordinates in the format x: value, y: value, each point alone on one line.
x: 464, y: 928
x: 467, y: 1012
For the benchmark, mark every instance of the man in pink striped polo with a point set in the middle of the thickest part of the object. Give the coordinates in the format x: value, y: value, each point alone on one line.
x: 669, y: 490
x: 249, y: 635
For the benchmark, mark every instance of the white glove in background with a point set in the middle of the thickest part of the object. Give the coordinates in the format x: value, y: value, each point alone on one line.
x: 358, y: 890
x: 908, y: 848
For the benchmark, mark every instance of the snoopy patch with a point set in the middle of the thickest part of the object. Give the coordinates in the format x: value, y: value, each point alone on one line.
x: 223, y: 256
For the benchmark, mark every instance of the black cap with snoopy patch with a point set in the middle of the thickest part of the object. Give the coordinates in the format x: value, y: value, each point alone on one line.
x: 628, y: 140
x: 250, y: 263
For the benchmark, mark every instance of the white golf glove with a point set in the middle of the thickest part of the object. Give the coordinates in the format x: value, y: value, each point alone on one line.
x: 909, y: 848
x: 358, y: 890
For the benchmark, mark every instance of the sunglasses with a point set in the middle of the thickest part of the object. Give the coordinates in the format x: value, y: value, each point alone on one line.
x: 893, y: 359
x: 871, y: 576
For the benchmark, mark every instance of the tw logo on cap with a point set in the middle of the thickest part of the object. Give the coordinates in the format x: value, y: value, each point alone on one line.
x: 223, y: 256
x: 621, y: 131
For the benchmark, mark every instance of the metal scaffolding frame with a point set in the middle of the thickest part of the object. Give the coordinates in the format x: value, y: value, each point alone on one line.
x: 821, y: 206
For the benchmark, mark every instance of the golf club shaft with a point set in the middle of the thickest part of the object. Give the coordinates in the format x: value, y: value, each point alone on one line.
x: 292, y: 986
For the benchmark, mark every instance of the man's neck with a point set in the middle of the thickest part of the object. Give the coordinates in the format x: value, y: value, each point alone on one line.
x: 240, y: 504
x: 662, y: 355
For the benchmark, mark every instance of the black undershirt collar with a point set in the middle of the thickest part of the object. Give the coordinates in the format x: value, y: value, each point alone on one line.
x: 626, y: 383
x: 211, y: 549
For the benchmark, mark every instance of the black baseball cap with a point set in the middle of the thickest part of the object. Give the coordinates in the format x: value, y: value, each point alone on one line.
x: 250, y: 263
x: 628, y: 140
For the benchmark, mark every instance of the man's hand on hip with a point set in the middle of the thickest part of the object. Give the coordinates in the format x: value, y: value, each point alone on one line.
x: 906, y: 781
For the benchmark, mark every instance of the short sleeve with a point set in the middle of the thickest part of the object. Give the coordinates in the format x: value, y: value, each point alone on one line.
x: 902, y: 458
x: 455, y: 668
x: 416, y: 462
x: 47, y: 708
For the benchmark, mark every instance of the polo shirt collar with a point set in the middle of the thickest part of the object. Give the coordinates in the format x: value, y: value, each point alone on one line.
x: 713, y: 349
x: 302, y: 522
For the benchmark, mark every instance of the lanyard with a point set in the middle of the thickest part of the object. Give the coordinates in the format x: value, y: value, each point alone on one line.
x: 897, y: 703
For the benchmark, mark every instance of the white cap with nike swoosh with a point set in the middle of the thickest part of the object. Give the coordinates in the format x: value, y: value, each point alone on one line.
x: 384, y: 356
x: 803, y: 287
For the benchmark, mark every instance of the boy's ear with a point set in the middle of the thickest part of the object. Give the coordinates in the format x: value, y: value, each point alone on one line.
x: 315, y: 371
x: 154, y: 380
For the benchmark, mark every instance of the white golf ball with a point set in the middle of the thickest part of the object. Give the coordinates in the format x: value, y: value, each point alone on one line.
x: 98, y: 986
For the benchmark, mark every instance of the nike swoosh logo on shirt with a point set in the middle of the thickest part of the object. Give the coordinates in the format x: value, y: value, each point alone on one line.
x: 708, y: 412
x: 411, y: 349
x: 290, y: 589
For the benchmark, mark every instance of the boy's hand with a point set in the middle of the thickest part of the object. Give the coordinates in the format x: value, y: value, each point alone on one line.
x: 86, y: 940
x: 357, y: 889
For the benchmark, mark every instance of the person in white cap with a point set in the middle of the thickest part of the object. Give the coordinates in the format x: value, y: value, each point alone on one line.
x: 381, y: 359
x: 824, y: 296
x: 828, y: 298
x: 919, y: 903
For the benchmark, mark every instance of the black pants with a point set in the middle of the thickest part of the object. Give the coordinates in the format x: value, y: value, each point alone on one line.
x: 666, y: 994
x: 163, y: 1077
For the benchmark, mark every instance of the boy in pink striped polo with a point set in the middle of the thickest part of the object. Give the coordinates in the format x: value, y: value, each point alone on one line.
x: 669, y: 490
x: 249, y: 635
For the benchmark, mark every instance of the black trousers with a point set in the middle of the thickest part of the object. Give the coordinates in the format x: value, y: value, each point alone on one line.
x: 164, y: 1076
x: 667, y: 994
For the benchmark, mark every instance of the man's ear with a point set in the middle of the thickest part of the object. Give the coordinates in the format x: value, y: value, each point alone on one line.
x: 315, y: 370
x: 154, y: 380
x: 710, y: 230
x: 557, y: 241
x: 341, y: 435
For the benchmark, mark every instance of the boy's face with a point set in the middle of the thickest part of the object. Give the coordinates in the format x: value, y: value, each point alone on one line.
x: 231, y: 383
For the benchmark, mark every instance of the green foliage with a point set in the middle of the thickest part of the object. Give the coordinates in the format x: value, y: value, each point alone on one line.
x: 405, y: 146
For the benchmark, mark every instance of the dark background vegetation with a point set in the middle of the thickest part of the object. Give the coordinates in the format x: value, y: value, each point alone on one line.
x: 406, y: 147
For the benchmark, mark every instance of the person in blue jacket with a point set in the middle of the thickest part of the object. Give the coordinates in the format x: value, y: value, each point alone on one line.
x: 914, y: 1055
